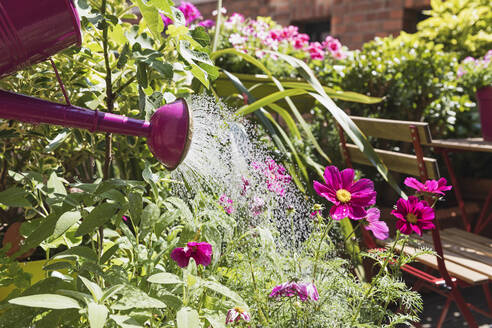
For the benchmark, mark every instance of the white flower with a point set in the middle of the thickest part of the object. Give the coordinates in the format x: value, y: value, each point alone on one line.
x: 223, y: 12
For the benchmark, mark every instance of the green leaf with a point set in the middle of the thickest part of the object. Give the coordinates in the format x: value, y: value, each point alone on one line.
x: 164, y: 278
x: 111, y: 291
x: 150, y: 215
x: 42, y: 232
x: 110, y: 252
x: 125, y: 321
x: 93, y: 288
x: 216, y: 321
x: 270, y: 99
x: 98, y: 314
x: 223, y: 290
x: 187, y: 318
x: 165, y: 69
x: 78, y: 251
x: 47, y: 301
x: 96, y: 218
x: 86, y: 298
x: 15, y: 197
x: 152, y: 18
x: 200, y: 35
x: 55, y: 185
x: 134, y: 298
x: 56, y: 266
x: 135, y: 207
x: 57, y: 141
x: 123, y: 59
x: 64, y: 223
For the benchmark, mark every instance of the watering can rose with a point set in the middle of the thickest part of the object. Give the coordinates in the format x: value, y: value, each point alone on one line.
x: 201, y: 252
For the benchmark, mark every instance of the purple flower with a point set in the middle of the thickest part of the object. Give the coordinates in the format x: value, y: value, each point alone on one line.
x: 305, y: 291
x: 379, y: 228
x: 349, y: 198
x: 236, y: 315
x: 208, y: 23
x: 430, y: 186
x: 167, y: 21
x: 201, y: 252
x: 413, y: 216
x: 226, y: 203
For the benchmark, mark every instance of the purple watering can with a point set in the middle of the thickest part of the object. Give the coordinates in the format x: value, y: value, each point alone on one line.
x: 32, y: 31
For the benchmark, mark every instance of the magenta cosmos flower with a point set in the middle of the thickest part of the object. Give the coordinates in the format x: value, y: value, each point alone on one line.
x: 227, y: 204
x: 413, y: 215
x: 305, y: 291
x: 430, y: 186
x: 378, y: 228
x: 201, y: 252
x: 237, y: 314
x: 349, y: 198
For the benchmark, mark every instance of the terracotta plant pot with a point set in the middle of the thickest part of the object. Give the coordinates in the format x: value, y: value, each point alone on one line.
x: 484, y: 99
x: 14, y: 238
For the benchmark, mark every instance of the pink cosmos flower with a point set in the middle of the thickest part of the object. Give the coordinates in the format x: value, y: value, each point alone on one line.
x: 208, y: 23
x: 226, y: 203
x: 314, y: 214
x: 201, y: 252
x: 316, y: 51
x: 430, y: 186
x: 305, y: 291
x: 379, y: 229
x: 236, y: 315
x: 349, y: 198
x: 413, y: 215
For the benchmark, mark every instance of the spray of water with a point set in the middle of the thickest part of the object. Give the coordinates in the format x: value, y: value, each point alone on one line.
x: 227, y: 158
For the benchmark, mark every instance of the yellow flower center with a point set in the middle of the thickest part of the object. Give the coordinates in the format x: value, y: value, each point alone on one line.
x: 238, y: 309
x: 344, y: 195
x: 412, y: 218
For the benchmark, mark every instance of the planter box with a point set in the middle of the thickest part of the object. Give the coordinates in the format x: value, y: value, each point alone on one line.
x: 484, y: 98
x: 225, y: 88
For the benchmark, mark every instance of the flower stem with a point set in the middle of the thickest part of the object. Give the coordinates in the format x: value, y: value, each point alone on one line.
x: 373, y: 283
x: 217, y: 26
x: 325, y: 233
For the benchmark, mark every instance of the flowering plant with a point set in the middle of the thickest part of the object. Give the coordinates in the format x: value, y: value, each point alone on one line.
x: 475, y: 74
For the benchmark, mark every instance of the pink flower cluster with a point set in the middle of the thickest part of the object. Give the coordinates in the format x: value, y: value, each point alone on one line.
x: 190, y: 12
x: 413, y: 214
x: 259, y: 35
x: 277, y: 180
x: 227, y: 204
x: 305, y: 291
x: 471, y: 64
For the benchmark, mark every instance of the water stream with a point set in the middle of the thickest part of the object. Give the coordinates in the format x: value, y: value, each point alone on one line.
x: 227, y: 157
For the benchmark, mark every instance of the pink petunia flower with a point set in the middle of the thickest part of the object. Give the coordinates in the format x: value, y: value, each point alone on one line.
x: 237, y: 314
x: 332, y: 44
x: 413, y: 215
x: 208, y: 23
x: 301, y: 41
x: 430, y: 186
x: 305, y: 291
x: 316, y: 51
x: 349, y: 198
x: 378, y: 228
x: 201, y: 252
x: 226, y: 203
x: 190, y: 12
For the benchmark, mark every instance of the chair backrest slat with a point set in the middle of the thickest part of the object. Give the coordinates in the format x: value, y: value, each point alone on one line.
x: 398, y: 162
x: 392, y: 129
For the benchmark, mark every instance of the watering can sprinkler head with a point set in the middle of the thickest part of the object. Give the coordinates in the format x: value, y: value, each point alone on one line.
x: 168, y: 132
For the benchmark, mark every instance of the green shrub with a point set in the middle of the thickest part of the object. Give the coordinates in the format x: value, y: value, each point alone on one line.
x: 462, y: 26
x: 416, y: 78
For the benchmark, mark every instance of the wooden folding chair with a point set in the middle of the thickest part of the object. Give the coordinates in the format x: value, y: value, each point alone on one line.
x: 464, y: 259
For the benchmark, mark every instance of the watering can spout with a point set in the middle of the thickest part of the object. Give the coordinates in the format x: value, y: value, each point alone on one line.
x: 168, y: 133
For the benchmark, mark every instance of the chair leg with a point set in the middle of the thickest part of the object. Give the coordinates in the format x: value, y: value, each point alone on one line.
x: 488, y: 297
x: 444, y: 311
x: 463, y: 307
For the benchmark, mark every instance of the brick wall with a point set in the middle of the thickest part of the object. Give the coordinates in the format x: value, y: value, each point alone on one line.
x: 352, y: 21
